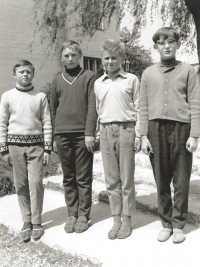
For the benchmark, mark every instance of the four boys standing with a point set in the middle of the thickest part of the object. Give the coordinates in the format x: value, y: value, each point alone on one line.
x: 169, y: 127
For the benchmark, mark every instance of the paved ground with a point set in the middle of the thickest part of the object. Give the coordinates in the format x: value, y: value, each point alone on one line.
x: 146, y: 196
x: 141, y: 249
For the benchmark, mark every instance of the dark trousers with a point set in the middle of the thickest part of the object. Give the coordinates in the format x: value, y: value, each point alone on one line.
x: 171, y: 162
x: 77, y: 165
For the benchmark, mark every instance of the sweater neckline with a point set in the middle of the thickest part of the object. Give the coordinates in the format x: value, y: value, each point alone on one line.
x: 172, y: 75
x: 73, y: 79
x: 24, y: 88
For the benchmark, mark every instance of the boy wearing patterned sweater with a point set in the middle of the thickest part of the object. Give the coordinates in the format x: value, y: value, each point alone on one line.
x: 74, y: 118
x: 170, y: 126
x: 25, y: 143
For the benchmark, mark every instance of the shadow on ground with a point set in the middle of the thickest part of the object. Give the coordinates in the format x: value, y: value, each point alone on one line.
x: 101, y: 211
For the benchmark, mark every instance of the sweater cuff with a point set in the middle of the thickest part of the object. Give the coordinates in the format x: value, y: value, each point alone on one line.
x: 89, y: 134
x: 47, y: 146
x: 3, y: 147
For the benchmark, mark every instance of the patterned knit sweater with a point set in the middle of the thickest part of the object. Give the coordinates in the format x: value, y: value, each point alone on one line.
x: 73, y: 105
x: 25, y: 119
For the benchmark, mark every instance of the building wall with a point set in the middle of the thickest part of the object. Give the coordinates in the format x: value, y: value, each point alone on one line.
x: 17, y: 32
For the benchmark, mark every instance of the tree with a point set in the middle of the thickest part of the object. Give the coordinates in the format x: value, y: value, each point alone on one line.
x: 135, y: 56
x: 54, y: 17
x: 182, y: 14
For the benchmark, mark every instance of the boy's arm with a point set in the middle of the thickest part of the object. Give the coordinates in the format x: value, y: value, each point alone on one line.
x: 193, y: 95
x: 136, y: 93
x: 91, y: 120
x: 46, y: 124
x: 144, y: 118
x: 136, y: 103
x: 96, y: 97
x: 143, y: 107
x: 53, y: 103
x: 4, y: 120
x: 53, y: 107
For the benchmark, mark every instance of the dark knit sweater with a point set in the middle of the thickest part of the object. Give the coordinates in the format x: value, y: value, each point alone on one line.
x: 73, y: 106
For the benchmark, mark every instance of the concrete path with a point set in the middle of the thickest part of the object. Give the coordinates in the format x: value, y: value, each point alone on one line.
x: 140, y: 249
x: 146, y: 192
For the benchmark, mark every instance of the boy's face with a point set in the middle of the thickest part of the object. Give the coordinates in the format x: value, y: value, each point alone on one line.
x: 24, y: 75
x: 167, y: 47
x: 111, y: 61
x: 70, y: 57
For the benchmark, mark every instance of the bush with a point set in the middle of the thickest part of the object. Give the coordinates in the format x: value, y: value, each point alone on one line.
x: 6, y: 175
x: 52, y: 169
x: 6, y: 186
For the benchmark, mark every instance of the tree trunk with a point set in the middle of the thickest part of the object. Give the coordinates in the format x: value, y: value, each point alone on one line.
x: 194, y: 8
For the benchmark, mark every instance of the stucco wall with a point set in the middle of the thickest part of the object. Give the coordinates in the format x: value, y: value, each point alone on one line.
x: 16, y: 33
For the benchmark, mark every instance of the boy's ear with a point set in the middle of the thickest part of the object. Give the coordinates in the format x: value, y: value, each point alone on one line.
x: 155, y: 46
x: 178, y: 44
x: 14, y: 74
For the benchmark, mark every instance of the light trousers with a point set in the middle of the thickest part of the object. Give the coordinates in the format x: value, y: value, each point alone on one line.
x: 118, y: 155
x: 27, y: 162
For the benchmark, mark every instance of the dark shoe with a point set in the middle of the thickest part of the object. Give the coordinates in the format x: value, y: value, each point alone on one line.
x: 82, y: 224
x: 122, y: 234
x: 37, y: 231
x: 25, y: 233
x: 70, y: 225
x: 113, y: 234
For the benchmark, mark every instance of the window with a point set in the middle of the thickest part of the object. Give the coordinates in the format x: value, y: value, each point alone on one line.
x: 91, y: 63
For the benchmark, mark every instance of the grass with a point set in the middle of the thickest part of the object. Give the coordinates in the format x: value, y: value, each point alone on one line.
x: 14, y: 253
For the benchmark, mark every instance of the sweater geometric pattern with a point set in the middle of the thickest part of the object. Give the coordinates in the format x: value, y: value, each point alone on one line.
x: 3, y: 147
x: 25, y: 139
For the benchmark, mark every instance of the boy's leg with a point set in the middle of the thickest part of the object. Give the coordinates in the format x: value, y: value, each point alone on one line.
x: 20, y: 174
x: 181, y: 165
x: 108, y: 140
x: 160, y: 160
x: 109, y: 135
x: 84, y: 165
x: 126, y: 155
x: 66, y: 153
x: 35, y: 167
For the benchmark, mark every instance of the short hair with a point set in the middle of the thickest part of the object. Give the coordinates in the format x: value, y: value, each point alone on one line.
x: 23, y: 62
x: 71, y: 44
x: 112, y: 45
x: 166, y: 32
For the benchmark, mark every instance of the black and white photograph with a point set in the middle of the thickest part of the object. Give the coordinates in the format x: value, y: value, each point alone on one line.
x: 99, y: 133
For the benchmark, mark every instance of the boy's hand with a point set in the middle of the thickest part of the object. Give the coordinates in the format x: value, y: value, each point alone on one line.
x: 146, y: 146
x: 137, y: 145
x: 192, y: 144
x: 46, y: 158
x: 7, y: 158
x: 55, y: 147
x: 90, y: 143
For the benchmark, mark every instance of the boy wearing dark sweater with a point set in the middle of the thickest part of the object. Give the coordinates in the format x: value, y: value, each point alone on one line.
x: 170, y: 126
x: 74, y: 118
x: 25, y: 143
